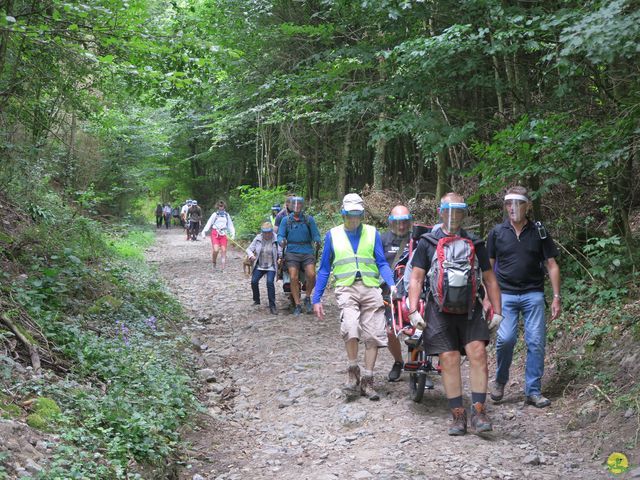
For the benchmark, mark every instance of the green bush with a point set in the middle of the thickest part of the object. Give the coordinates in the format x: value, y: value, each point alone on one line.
x: 252, y: 207
x: 127, y: 392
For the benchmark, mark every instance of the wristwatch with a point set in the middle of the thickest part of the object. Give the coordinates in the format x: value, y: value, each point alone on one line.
x: 557, y: 296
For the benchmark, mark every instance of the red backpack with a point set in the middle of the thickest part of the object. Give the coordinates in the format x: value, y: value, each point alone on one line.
x: 454, y: 276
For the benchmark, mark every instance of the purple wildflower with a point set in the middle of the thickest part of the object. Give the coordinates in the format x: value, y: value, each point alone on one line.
x: 151, y: 322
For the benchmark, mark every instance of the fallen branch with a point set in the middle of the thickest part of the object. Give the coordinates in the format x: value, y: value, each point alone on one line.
x: 601, y: 392
x: 33, y: 350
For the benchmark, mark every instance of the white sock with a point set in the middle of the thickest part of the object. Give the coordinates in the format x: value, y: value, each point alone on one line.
x: 353, y: 363
x: 367, y: 373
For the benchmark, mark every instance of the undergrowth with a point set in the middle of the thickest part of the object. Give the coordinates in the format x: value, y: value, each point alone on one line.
x: 121, y: 385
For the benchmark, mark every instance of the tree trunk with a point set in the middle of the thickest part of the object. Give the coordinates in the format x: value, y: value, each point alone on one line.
x: 442, y: 185
x: 342, y: 163
x: 378, y: 162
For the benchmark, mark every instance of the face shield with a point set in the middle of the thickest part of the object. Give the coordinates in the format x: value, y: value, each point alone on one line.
x: 267, y: 232
x: 401, y: 225
x: 297, y: 204
x: 452, y: 215
x: 352, y: 218
x: 516, y: 207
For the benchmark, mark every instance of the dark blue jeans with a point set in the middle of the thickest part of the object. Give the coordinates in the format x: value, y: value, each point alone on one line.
x: 531, y: 306
x: 271, y: 289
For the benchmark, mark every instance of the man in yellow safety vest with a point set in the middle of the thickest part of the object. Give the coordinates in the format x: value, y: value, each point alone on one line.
x: 354, y: 252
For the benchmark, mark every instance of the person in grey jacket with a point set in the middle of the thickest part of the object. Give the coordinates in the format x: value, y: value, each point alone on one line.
x: 266, y: 254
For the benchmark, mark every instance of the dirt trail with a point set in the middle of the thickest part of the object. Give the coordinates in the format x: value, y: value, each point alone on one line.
x: 275, y: 408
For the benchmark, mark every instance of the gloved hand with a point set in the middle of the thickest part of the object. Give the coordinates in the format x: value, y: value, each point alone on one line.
x: 494, y: 322
x: 416, y: 320
x: 393, y: 291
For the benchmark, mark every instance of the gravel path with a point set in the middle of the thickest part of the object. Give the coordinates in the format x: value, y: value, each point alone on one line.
x: 275, y: 409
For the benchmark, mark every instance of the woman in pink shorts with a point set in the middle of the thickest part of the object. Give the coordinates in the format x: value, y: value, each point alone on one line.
x: 221, y: 226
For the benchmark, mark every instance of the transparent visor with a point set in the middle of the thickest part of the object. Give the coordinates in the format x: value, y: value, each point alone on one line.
x: 296, y: 204
x: 352, y: 218
x: 452, y: 215
x: 516, y: 207
x: 400, y: 225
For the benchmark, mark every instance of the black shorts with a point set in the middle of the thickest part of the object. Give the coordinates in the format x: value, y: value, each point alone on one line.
x: 447, y: 332
x: 299, y: 260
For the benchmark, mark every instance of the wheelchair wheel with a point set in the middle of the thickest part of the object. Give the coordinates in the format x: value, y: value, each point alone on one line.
x: 417, y: 382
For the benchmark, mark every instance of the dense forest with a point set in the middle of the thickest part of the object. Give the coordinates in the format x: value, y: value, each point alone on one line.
x: 108, y: 107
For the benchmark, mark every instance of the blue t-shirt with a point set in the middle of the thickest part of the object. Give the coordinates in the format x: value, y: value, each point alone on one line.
x: 299, y: 234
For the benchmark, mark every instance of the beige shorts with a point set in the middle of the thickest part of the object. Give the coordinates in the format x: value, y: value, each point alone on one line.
x: 362, y: 314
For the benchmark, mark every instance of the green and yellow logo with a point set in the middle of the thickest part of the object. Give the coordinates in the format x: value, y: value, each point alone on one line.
x: 617, y: 463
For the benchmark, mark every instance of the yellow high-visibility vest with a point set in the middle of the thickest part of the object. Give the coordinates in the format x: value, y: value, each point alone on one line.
x: 347, y: 264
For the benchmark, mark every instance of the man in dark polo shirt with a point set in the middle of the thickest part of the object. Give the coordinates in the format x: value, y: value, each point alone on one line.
x: 449, y: 335
x: 520, y: 251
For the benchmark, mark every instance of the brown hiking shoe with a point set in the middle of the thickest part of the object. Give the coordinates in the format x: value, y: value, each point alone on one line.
x: 367, y: 390
x: 496, y: 390
x: 459, y: 423
x: 479, y: 420
x: 353, y: 378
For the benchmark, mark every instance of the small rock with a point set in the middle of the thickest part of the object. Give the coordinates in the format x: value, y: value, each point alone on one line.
x: 197, y: 476
x: 362, y: 474
x: 628, y: 413
x: 350, y: 417
x: 32, y: 466
x: 531, y: 459
x: 207, y: 375
x: 285, y: 402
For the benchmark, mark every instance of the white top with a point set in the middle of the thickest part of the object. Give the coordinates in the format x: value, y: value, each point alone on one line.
x: 222, y: 224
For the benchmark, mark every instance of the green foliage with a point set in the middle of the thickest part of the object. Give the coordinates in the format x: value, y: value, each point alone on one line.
x: 4, y: 456
x: 602, y: 274
x: 133, y: 244
x: 254, y: 207
x: 106, y: 313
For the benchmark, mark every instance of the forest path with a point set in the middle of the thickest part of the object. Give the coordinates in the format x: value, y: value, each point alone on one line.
x: 275, y: 408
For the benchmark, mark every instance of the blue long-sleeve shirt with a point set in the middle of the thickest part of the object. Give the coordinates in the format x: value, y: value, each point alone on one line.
x: 299, y: 235
x: 328, y: 255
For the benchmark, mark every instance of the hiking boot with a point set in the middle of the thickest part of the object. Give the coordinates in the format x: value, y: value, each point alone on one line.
x: 538, y: 401
x: 496, y: 391
x: 353, y: 378
x: 367, y: 390
x: 396, y: 370
x: 479, y: 420
x: 459, y: 422
x: 273, y: 310
x: 256, y: 302
x: 307, y: 305
x: 297, y: 311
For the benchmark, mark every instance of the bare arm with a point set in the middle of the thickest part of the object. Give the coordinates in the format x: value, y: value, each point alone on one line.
x: 554, y: 276
x: 415, y: 287
x: 493, y: 290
